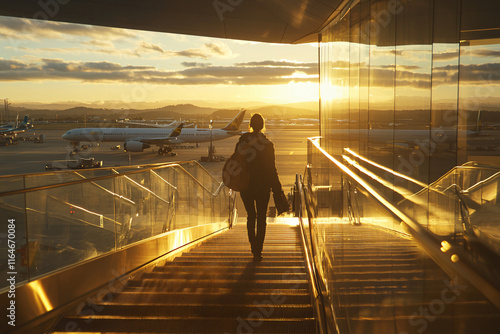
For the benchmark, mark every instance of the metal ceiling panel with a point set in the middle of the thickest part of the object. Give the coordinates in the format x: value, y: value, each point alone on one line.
x: 276, y: 21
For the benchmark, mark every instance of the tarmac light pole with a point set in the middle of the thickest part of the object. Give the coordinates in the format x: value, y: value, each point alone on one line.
x: 211, y: 148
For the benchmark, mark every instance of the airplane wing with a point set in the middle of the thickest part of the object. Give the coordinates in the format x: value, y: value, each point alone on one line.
x: 6, y: 131
x: 12, y: 131
x: 236, y: 133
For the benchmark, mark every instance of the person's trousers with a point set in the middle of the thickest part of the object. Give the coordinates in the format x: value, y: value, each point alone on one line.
x: 256, y: 203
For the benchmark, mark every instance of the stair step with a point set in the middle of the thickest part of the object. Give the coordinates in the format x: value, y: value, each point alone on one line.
x: 242, y: 256
x: 158, y: 297
x: 243, y: 262
x: 189, y: 325
x: 403, y: 307
x: 222, y: 275
x: 176, y: 284
x: 176, y: 267
x: 208, y: 310
x: 215, y: 287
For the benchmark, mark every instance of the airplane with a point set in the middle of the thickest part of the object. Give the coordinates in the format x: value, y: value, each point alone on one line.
x: 135, y: 139
x: 156, y: 125
x: 13, y: 130
x: 138, y: 139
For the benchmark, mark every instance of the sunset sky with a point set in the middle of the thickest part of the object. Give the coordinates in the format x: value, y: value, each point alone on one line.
x: 43, y: 61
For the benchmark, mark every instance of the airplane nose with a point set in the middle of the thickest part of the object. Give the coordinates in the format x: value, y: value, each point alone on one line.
x: 65, y: 136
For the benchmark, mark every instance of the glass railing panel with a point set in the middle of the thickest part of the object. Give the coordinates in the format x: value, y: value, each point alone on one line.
x: 464, y: 198
x: 11, y: 183
x: 202, y: 175
x: 62, y: 224
x: 63, y: 176
x: 207, y: 203
x: 46, y: 179
x: 168, y: 182
x: 326, y: 185
x: 184, y: 184
x: 69, y: 225
x: 481, y: 209
x: 219, y: 209
x: 194, y: 202
x: 13, y: 240
x: 135, y: 215
x: 436, y: 206
x: 161, y: 211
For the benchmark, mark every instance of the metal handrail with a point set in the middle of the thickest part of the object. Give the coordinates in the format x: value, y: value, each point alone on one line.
x: 309, y: 256
x: 448, y: 259
x: 107, y: 190
x: 99, y: 178
x: 481, y: 183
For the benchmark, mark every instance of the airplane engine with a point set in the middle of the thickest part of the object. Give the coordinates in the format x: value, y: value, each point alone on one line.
x: 135, y: 146
x: 176, y: 141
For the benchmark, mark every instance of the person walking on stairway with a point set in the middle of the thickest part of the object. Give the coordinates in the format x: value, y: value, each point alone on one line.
x: 261, y: 167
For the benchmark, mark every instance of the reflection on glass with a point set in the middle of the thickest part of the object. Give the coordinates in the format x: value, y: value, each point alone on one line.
x: 443, y: 149
x: 410, y: 105
x: 479, y: 101
x: 63, y: 225
x: 14, y: 244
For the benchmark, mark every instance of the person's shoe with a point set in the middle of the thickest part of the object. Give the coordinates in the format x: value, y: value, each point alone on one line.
x: 257, y: 257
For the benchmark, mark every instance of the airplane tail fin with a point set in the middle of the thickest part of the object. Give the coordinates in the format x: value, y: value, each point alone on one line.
x: 177, y: 131
x: 26, y: 123
x: 234, y: 125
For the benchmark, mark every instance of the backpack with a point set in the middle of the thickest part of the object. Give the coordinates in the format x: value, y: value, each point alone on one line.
x: 235, y: 174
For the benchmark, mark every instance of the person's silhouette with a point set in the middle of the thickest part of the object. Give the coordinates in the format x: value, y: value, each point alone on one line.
x: 261, y: 167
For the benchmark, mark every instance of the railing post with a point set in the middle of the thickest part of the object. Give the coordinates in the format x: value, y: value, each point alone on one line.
x: 296, y: 197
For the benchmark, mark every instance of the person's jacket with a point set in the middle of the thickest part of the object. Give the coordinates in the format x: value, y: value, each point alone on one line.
x: 259, y: 155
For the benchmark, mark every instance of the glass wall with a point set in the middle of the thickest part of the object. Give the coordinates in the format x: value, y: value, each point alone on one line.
x: 411, y: 87
x: 410, y: 126
x: 57, y: 225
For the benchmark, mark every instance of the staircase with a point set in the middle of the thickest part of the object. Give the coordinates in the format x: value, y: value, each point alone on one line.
x: 215, y: 287
x: 384, y: 283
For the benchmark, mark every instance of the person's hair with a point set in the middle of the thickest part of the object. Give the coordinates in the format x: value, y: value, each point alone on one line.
x: 257, y: 122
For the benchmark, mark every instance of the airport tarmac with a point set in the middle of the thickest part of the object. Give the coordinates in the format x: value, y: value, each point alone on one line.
x: 29, y: 157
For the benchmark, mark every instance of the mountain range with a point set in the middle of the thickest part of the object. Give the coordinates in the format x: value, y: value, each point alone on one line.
x: 40, y: 111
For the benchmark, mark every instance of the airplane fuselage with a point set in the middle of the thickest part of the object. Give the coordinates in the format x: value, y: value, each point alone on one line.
x: 124, y: 134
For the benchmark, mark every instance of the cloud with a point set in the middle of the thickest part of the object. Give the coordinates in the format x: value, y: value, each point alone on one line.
x: 194, y: 74
x: 99, y: 43
x: 80, y: 50
x: 486, y: 75
x: 278, y: 63
x: 208, y: 50
x: 8, y: 65
x: 480, y: 74
x: 194, y: 64
x: 17, y: 28
x: 475, y: 53
x: 487, y: 53
x: 268, y: 72
x: 444, y: 56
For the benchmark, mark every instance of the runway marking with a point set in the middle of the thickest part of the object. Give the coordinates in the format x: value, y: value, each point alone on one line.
x: 291, y: 153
